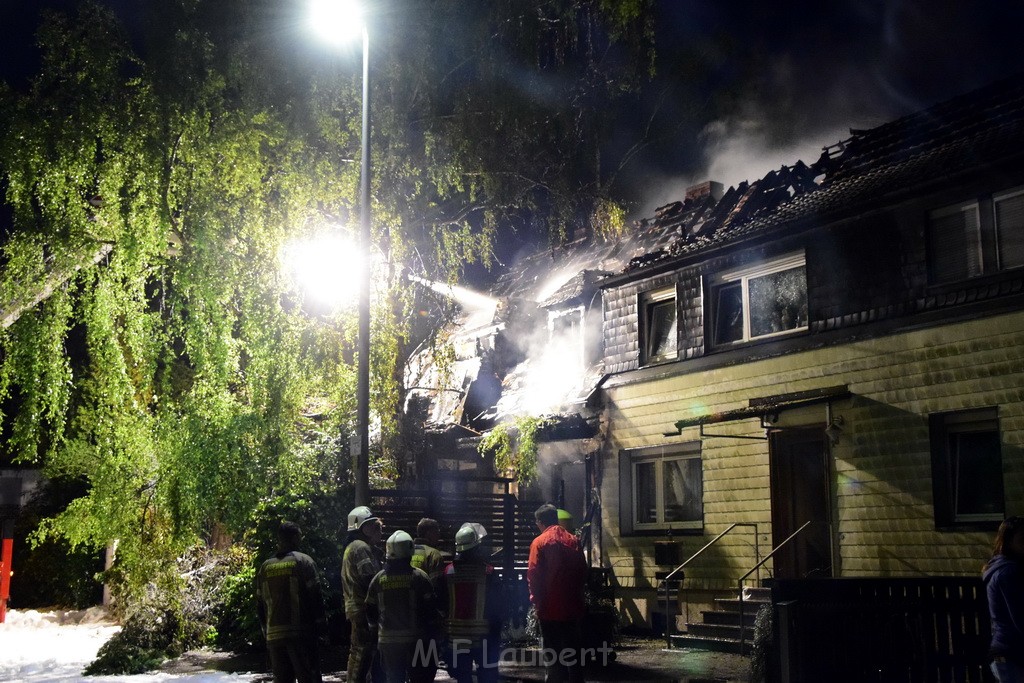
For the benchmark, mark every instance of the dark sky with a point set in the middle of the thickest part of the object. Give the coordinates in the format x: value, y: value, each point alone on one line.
x: 743, y: 87
x: 782, y: 79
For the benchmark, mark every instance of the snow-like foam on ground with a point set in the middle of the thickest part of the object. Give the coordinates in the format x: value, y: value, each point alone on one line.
x: 55, y: 646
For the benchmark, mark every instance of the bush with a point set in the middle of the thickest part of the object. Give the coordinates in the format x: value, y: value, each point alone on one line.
x: 184, y: 610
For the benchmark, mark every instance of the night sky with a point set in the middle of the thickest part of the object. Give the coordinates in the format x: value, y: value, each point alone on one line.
x: 743, y: 87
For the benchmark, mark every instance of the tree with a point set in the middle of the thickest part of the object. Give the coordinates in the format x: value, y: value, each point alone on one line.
x: 150, y: 343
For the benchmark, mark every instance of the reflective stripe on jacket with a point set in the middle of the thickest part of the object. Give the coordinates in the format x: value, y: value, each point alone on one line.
x: 358, y: 566
x: 289, y: 591
x: 471, y: 590
x: 401, y: 601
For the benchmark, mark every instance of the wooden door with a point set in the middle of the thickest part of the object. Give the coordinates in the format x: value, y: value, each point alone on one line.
x: 801, y: 493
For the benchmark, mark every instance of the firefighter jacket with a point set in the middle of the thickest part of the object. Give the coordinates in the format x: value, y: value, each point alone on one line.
x: 288, y: 594
x: 400, y: 604
x: 359, y: 564
x: 557, y: 575
x: 472, y: 595
x: 429, y: 560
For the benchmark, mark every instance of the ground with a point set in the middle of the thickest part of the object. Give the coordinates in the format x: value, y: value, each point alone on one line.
x: 637, y: 660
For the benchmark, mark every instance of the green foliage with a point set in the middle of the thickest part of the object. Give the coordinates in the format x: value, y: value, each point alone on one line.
x: 150, y: 347
x: 515, y: 447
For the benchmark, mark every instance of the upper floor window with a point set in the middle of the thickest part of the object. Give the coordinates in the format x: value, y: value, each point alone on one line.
x: 976, y: 237
x: 760, y: 301
x: 658, y: 336
x: 1009, y: 224
x: 967, y: 467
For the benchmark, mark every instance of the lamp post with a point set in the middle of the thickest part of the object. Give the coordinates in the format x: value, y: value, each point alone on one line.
x: 329, y: 18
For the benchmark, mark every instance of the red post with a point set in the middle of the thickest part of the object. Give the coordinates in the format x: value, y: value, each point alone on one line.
x: 6, y: 551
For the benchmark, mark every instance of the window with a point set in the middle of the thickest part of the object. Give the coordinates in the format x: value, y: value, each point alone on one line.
x: 659, y: 337
x: 967, y: 468
x: 954, y: 242
x: 760, y: 301
x: 1009, y: 224
x: 661, y: 488
x: 976, y: 237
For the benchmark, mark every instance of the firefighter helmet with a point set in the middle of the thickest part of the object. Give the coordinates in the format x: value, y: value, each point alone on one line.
x: 399, y: 546
x: 466, y: 538
x: 358, y: 517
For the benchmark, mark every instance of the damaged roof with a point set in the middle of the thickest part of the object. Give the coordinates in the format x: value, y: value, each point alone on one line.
x: 869, y: 168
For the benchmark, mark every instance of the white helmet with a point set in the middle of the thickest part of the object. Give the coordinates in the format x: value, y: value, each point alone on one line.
x: 358, y: 517
x: 399, y: 546
x: 466, y: 538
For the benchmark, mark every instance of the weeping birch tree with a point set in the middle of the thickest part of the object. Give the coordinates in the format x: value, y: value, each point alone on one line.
x: 150, y: 343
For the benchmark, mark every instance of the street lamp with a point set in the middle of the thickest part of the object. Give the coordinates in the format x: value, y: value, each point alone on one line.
x: 335, y: 20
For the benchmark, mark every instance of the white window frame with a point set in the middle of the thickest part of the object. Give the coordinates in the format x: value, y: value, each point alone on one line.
x: 647, y: 301
x: 659, y: 459
x: 744, y: 276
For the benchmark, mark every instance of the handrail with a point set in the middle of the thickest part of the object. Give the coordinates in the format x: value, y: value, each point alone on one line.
x: 756, y: 567
x: 669, y: 625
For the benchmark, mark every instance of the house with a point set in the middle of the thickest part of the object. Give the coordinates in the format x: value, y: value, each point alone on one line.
x: 831, y: 355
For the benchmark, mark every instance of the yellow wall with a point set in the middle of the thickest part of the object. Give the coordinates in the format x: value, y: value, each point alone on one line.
x: 881, y: 479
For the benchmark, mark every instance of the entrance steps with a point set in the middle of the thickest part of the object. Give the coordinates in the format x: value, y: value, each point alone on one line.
x: 719, y: 629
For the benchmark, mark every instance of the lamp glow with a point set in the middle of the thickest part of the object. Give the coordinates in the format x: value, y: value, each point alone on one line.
x: 336, y: 21
x: 328, y: 268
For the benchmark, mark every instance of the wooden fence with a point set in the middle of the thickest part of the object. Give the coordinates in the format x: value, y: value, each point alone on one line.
x: 917, y: 630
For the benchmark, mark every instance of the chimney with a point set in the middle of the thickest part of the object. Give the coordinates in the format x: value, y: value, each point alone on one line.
x: 701, y: 190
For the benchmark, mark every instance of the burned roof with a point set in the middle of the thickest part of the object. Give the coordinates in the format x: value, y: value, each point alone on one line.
x: 869, y: 167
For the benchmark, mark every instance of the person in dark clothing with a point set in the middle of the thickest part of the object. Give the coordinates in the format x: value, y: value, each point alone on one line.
x: 475, y: 610
x: 360, y: 562
x: 427, y: 557
x: 291, y: 609
x: 1004, y: 584
x: 557, y: 576
x: 401, y: 609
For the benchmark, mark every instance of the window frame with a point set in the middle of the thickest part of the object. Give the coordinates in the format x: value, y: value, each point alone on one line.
x: 743, y: 276
x: 996, y: 198
x: 647, y: 302
x: 987, y: 241
x: 941, y: 427
x: 629, y: 459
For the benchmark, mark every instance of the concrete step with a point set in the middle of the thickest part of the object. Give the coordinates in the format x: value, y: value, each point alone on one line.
x: 719, y: 631
x: 733, y: 605
x: 729, y: 618
x: 713, y: 644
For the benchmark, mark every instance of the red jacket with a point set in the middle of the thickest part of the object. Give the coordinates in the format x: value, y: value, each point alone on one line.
x: 557, y: 574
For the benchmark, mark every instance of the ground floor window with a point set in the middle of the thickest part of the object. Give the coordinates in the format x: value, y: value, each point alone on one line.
x: 661, y: 488
x: 967, y: 468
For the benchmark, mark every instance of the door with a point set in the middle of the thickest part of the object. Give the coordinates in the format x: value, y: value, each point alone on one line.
x: 800, y: 493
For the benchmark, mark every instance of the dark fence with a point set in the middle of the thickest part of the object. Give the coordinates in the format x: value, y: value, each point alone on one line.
x: 891, y: 630
x: 509, y: 523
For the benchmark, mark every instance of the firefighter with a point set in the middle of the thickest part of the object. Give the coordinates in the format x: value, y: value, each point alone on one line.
x: 291, y: 609
x: 472, y: 594
x: 360, y: 563
x: 427, y: 557
x: 401, y: 608
x: 425, y: 554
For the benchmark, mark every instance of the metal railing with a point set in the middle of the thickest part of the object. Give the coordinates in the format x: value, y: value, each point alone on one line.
x: 757, y: 567
x: 669, y: 618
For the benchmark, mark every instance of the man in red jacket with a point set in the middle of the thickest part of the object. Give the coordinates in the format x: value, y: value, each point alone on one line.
x: 557, y: 574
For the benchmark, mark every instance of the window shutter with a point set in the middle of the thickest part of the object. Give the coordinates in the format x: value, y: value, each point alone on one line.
x: 954, y: 244
x: 1010, y: 230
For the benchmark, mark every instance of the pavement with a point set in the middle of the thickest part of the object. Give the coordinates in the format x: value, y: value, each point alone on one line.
x: 635, y: 660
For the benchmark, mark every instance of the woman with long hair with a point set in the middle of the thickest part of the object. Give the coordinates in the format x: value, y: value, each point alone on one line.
x: 1004, y: 583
